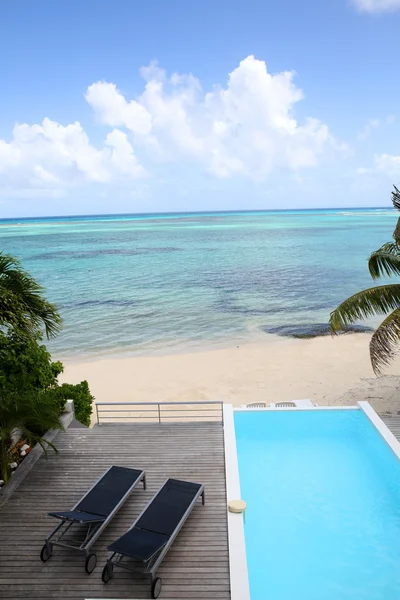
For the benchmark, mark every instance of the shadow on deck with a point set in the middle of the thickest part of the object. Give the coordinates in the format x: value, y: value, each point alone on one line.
x: 196, y: 567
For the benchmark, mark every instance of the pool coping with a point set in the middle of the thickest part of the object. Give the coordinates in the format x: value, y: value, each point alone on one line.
x: 239, y: 580
x: 292, y: 408
x: 380, y: 427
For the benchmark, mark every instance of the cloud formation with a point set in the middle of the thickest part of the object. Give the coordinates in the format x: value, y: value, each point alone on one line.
x: 388, y: 163
x: 377, y: 6
x: 51, y: 155
x: 247, y: 127
x: 369, y: 127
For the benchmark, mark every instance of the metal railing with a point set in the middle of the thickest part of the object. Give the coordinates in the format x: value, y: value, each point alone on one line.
x: 159, y: 412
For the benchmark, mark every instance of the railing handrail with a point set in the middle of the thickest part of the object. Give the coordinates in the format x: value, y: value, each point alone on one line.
x: 156, y: 403
x: 158, y: 409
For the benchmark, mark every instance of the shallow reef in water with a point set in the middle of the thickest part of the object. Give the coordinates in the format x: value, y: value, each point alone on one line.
x: 313, y: 330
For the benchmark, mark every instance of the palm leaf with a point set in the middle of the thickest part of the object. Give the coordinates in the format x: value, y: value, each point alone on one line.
x: 373, y: 301
x: 396, y: 233
x: 384, y: 340
x: 396, y: 198
x: 385, y: 261
x: 22, y: 305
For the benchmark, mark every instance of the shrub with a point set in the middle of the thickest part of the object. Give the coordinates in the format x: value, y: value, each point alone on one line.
x: 82, y: 398
x: 33, y: 413
x: 26, y: 365
x: 31, y: 399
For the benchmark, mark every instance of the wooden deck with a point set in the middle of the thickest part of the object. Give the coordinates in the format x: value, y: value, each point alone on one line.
x: 393, y: 423
x: 196, y: 566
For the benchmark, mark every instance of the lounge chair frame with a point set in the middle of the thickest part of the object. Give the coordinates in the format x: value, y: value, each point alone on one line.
x: 94, y: 529
x: 149, y: 567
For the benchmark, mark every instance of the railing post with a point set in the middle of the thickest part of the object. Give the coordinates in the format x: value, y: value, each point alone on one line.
x: 97, y: 413
x: 159, y: 413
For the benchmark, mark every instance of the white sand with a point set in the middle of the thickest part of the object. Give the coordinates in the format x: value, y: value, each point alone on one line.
x: 327, y: 370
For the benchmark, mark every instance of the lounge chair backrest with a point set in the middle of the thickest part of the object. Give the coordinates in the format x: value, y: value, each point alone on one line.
x: 108, y: 491
x: 285, y: 405
x: 166, y: 509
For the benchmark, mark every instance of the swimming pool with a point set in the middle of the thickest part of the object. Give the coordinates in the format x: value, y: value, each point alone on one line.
x: 323, y: 505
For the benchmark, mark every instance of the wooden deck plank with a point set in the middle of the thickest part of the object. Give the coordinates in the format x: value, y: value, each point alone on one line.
x: 393, y: 423
x: 196, y: 567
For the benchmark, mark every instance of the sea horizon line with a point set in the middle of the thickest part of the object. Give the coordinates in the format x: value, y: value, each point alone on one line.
x: 197, y: 212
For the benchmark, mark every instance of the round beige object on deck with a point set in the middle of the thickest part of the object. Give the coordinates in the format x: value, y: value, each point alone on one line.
x: 237, y: 506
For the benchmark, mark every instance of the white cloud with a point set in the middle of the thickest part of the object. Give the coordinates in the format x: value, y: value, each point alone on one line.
x: 112, y: 108
x: 369, y: 128
x: 377, y: 6
x: 388, y: 163
x: 247, y: 127
x: 50, y: 155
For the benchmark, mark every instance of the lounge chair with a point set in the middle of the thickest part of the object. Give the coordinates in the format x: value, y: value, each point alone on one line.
x: 293, y: 404
x: 152, y: 534
x: 93, y: 513
x: 257, y: 405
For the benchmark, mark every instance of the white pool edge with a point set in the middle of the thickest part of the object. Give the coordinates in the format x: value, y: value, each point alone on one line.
x: 292, y: 408
x: 239, y: 580
x: 380, y: 426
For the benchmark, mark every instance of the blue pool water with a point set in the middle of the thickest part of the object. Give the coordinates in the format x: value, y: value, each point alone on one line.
x: 323, y: 506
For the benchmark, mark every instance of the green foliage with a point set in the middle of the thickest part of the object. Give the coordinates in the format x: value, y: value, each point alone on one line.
x: 384, y: 340
x: 25, y: 364
x: 82, y: 398
x: 31, y: 398
x: 33, y: 412
x: 22, y: 305
x: 385, y: 261
x: 365, y: 304
x: 383, y: 299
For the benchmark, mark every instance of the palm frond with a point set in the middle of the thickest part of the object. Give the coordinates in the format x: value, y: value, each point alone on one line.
x: 22, y: 304
x: 396, y: 198
x: 396, y: 233
x: 385, y: 261
x: 383, y: 342
x: 367, y: 303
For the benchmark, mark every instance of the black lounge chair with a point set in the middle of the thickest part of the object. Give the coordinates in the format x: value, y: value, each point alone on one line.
x: 92, y: 513
x: 152, y: 534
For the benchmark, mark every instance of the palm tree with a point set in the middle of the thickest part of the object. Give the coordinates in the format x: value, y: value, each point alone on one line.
x: 22, y: 305
x: 379, y: 300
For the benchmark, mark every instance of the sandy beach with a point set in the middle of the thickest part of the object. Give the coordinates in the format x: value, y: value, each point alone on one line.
x: 329, y: 371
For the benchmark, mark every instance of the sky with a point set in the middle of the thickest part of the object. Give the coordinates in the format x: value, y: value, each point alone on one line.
x: 130, y: 106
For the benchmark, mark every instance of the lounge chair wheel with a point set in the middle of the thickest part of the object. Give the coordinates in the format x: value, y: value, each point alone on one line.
x: 46, y: 551
x: 90, y: 563
x: 156, y: 587
x: 107, y: 573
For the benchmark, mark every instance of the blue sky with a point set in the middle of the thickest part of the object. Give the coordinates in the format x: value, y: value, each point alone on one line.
x: 128, y: 106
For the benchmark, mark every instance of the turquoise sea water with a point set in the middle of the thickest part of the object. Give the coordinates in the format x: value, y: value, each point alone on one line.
x: 323, y: 506
x: 160, y: 283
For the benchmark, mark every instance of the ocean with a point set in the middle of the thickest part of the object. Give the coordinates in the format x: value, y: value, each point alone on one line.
x: 163, y: 283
